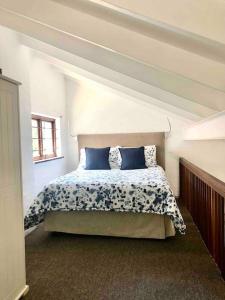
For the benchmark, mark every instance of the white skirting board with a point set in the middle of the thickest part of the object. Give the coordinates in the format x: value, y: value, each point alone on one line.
x: 23, y: 293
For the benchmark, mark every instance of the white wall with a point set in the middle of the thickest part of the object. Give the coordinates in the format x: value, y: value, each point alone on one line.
x: 47, y: 88
x: 207, y: 154
x: 93, y: 109
x: 212, y: 127
x: 42, y: 91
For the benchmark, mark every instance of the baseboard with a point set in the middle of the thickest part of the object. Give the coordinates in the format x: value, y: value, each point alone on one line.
x: 23, y: 293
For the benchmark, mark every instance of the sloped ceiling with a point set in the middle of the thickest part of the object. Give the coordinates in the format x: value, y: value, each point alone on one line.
x: 144, y: 24
x: 203, y: 17
x: 146, y: 51
x: 80, y: 68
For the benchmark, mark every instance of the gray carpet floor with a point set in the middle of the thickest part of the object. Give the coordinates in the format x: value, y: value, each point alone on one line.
x: 67, y: 267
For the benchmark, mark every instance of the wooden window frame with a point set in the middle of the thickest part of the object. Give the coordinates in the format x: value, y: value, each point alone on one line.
x: 39, y: 120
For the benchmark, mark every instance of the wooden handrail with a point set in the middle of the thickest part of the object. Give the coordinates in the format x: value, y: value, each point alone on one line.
x: 216, y: 184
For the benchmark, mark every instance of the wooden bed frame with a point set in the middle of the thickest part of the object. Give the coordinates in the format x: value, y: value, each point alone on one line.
x: 115, y: 223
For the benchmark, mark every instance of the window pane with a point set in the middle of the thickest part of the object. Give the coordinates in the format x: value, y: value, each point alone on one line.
x: 35, y: 145
x: 43, y: 138
x: 35, y: 153
x: 47, y: 146
x: 47, y: 133
x: 35, y: 142
x: 34, y: 123
x: 34, y: 133
x: 46, y: 124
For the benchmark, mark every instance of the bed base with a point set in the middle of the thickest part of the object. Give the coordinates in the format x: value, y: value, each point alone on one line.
x: 120, y: 224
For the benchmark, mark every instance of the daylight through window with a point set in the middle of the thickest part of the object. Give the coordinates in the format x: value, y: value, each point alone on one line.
x: 44, y: 140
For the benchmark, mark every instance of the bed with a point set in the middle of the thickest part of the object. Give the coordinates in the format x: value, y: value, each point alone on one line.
x: 131, y: 203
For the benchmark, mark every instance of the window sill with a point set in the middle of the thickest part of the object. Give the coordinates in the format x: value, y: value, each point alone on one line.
x: 47, y: 159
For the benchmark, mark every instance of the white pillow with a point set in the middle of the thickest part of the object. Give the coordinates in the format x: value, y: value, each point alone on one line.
x: 115, y: 159
x: 150, y: 156
x: 82, y: 163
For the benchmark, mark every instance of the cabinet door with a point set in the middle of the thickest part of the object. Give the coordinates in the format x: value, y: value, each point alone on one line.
x: 12, y: 253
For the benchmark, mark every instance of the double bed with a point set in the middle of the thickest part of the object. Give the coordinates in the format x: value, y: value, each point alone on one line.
x: 128, y: 203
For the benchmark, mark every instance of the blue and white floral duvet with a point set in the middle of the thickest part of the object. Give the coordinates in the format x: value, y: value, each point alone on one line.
x: 138, y: 191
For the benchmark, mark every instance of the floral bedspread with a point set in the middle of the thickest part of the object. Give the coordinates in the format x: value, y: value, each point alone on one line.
x: 138, y: 191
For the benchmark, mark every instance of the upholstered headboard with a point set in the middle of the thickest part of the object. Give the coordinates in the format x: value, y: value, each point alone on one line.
x: 126, y: 139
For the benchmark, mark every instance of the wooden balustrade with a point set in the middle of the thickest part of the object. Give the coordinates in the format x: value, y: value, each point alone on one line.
x: 204, y: 197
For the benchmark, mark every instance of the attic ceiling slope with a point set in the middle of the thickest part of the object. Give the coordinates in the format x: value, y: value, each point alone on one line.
x: 57, y: 29
x: 153, y: 28
x: 78, y: 67
x: 202, y: 17
x: 128, y: 43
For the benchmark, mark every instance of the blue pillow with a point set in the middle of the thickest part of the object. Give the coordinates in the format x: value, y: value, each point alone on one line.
x: 133, y: 158
x: 97, y: 158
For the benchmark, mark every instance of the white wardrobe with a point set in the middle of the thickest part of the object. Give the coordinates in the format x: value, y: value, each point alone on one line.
x: 12, y: 246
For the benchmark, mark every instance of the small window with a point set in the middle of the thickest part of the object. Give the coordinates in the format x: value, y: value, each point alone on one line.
x: 44, y: 140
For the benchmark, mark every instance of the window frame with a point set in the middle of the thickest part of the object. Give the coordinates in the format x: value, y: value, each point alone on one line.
x: 39, y: 120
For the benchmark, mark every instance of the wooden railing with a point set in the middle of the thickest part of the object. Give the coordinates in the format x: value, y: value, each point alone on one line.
x: 204, y: 197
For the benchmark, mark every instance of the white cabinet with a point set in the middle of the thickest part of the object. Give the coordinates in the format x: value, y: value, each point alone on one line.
x: 12, y: 246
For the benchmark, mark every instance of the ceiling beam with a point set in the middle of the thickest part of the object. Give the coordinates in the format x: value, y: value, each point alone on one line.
x: 82, y: 69
x: 146, y: 25
x: 114, y: 38
x: 205, y: 18
x: 57, y: 29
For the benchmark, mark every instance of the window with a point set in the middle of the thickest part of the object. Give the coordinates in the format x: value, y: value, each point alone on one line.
x: 45, y: 136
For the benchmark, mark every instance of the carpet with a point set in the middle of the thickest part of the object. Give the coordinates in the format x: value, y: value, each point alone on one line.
x: 72, y: 267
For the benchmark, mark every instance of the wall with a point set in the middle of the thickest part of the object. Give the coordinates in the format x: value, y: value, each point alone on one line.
x: 47, y: 87
x: 212, y: 127
x: 42, y: 91
x: 14, y: 60
x: 207, y: 154
x: 95, y: 109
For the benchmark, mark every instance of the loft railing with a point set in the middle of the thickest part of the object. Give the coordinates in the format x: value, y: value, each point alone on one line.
x: 204, y: 197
